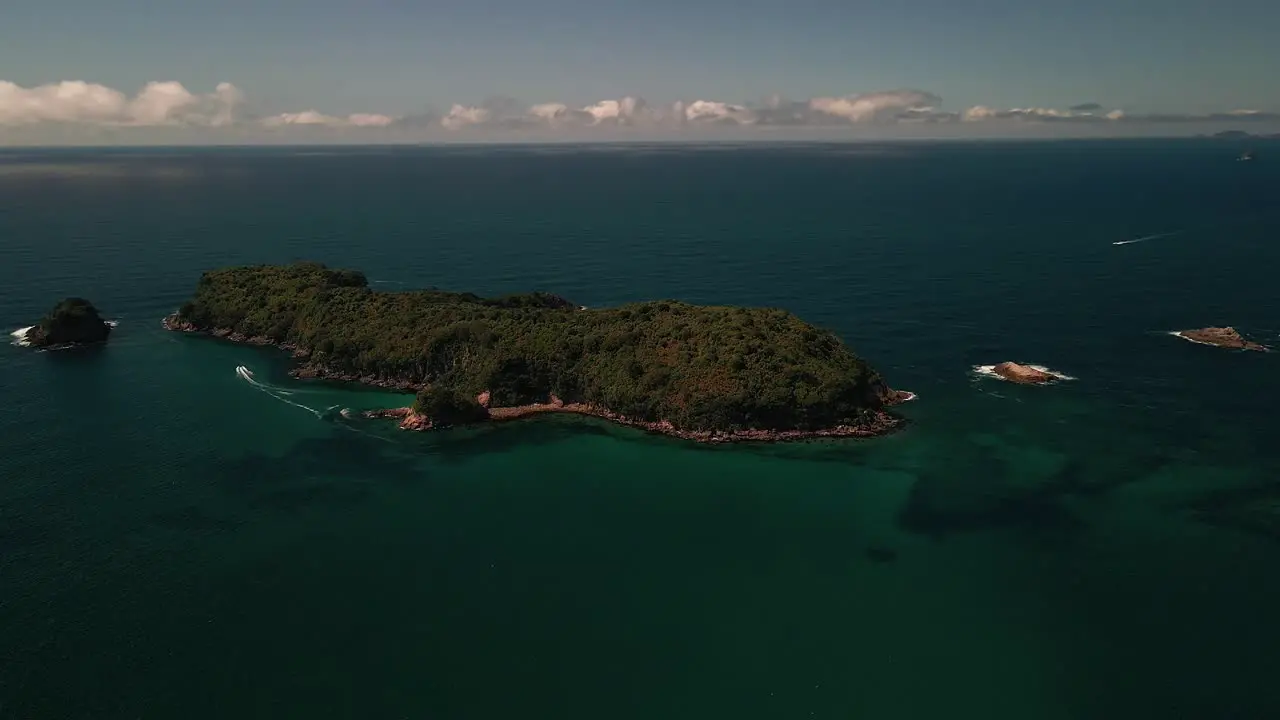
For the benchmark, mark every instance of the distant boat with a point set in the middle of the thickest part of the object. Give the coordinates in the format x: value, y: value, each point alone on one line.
x: 1246, y: 155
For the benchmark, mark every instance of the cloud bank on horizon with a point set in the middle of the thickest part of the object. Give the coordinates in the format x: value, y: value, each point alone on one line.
x: 170, y: 104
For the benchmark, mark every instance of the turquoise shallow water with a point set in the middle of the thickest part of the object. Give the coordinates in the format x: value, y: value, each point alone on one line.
x: 176, y: 542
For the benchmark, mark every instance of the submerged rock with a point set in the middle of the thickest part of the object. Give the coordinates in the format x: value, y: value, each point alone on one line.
x: 409, y: 419
x: 881, y: 554
x: 1252, y: 509
x: 1226, y: 337
x: 73, y: 321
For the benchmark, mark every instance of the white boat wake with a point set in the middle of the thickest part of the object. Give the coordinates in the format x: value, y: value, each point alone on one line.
x: 1145, y: 238
x: 20, y: 336
x: 333, y: 412
x: 278, y: 393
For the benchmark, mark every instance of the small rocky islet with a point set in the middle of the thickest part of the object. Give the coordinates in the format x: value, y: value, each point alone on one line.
x: 701, y: 373
x: 1024, y: 374
x: 1223, y: 337
x: 72, y: 322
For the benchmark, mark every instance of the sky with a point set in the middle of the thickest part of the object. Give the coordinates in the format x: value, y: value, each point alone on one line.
x: 243, y: 68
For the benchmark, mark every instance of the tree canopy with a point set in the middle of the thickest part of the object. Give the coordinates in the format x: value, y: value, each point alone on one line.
x: 72, y: 320
x: 699, y: 367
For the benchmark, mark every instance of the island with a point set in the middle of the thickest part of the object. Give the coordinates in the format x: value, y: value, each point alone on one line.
x: 1225, y: 337
x: 73, y: 321
x: 703, y: 373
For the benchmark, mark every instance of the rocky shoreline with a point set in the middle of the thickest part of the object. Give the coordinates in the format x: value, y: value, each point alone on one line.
x: 305, y: 371
x: 877, y: 422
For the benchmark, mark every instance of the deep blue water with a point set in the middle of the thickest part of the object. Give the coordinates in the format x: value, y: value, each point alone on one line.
x: 175, y: 542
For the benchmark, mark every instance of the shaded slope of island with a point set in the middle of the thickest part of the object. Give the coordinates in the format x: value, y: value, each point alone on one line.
x: 73, y: 321
x: 711, y: 373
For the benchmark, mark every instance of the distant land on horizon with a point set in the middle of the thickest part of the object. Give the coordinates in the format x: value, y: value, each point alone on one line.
x: 1242, y: 135
x: 27, y: 137
x: 14, y: 151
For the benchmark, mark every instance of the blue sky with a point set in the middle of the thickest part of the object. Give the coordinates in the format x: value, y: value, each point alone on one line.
x: 398, y: 57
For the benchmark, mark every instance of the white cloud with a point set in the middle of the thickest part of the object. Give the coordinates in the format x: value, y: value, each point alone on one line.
x: 1042, y: 113
x: 549, y: 111
x: 68, y: 101
x: 158, y: 102
x: 306, y: 117
x: 870, y: 107
x: 314, y: 118
x: 978, y: 112
x: 67, y: 105
x: 556, y: 114
x: 506, y: 113
x: 1055, y: 115
x: 625, y: 111
x: 79, y: 102
x: 228, y: 98
x: 718, y: 112
x: 369, y: 120
x: 1081, y: 113
x: 461, y: 116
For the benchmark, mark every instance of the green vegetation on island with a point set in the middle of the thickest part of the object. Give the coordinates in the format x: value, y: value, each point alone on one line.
x: 696, y: 367
x: 73, y: 321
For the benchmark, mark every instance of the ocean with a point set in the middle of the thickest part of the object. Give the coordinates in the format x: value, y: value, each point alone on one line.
x: 180, y: 538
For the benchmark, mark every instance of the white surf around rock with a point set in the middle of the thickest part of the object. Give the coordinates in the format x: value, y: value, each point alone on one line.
x: 989, y: 371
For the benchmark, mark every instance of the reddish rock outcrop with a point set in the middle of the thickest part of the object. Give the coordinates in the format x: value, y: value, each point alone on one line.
x: 1225, y: 337
x: 176, y: 324
x: 873, y: 424
x: 1025, y: 374
x: 409, y: 420
x: 897, y: 397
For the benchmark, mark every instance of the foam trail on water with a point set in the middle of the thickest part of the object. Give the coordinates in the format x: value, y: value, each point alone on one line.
x: 276, y: 389
x: 247, y: 375
x: 20, y: 336
x: 1145, y: 238
x: 345, y: 414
